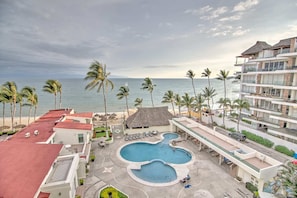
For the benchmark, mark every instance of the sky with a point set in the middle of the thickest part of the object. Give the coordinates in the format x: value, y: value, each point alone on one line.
x: 135, y: 38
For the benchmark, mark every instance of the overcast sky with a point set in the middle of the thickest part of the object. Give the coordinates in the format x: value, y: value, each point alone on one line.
x: 135, y: 38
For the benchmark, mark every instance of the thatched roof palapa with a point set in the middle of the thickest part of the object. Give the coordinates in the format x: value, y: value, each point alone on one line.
x: 149, y: 116
x: 258, y: 47
x: 282, y: 43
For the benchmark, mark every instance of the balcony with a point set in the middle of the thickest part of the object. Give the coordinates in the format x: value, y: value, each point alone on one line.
x: 278, y: 70
x: 284, y: 118
x: 266, y: 110
x: 259, y: 120
x: 264, y: 97
x: 292, y: 103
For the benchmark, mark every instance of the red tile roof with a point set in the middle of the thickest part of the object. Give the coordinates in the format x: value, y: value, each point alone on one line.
x: 83, y: 114
x: 44, y: 125
x: 23, y: 167
x: 74, y: 125
x: 43, y: 195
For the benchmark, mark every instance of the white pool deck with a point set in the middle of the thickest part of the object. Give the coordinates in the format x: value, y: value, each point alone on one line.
x: 206, y: 175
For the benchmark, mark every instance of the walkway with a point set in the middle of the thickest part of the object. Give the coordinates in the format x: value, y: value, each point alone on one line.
x: 206, y: 176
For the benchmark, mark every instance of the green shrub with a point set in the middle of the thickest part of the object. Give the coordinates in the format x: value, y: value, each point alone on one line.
x: 231, y: 129
x: 251, y: 187
x: 11, y: 132
x: 92, y: 157
x: 258, y: 139
x: 1, y: 133
x: 284, y: 150
x: 106, y: 192
x: 246, y: 121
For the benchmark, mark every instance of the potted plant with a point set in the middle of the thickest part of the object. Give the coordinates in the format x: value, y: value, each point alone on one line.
x: 81, y: 182
x: 92, y: 157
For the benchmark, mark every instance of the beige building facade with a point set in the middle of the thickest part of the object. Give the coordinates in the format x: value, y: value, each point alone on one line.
x: 269, y: 84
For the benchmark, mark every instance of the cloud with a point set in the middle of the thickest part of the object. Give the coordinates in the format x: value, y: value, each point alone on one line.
x: 202, y: 10
x: 215, y: 13
x: 235, y: 17
x: 245, y: 5
x: 239, y: 31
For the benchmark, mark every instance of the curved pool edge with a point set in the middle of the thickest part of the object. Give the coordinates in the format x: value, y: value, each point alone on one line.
x: 181, y: 169
x: 181, y: 172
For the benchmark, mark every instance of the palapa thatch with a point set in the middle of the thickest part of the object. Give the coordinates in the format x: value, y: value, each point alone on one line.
x: 258, y: 47
x: 148, y: 117
x: 282, y: 43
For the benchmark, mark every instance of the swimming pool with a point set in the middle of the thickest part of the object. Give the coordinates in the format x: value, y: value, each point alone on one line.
x: 156, y: 161
x: 145, y: 151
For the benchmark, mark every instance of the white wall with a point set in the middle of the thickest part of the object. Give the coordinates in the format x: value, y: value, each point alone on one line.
x: 70, y: 136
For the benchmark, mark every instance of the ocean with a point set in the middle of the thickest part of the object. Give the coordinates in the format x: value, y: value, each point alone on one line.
x: 75, y: 96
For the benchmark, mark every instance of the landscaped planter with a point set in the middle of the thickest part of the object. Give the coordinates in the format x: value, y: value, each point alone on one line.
x: 111, y: 192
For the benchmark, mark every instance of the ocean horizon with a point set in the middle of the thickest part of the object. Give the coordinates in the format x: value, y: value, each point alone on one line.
x: 75, y: 96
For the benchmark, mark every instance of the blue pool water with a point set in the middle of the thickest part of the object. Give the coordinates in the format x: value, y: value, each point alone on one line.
x: 158, y: 155
x: 143, y: 151
x: 156, y: 172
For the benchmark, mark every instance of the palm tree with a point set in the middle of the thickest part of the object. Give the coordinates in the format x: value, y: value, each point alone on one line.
x: 138, y: 102
x: 98, y: 77
x: 148, y: 85
x: 188, y: 102
x: 223, y: 75
x: 10, y: 90
x: 199, y: 104
x: 178, y: 102
x: 208, y: 94
x: 240, y: 104
x: 224, y: 103
x: 32, y: 100
x: 3, y: 99
x: 124, y: 92
x: 287, y: 177
x: 169, y: 98
x: 190, y: 74
x: 20, y: 102
x: 52, y: 88
x: 207, y: 74
x: 59, y: 90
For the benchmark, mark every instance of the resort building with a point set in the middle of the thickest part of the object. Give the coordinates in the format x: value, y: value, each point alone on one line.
x: 48, y: 157
x: 245, y: 164
x: 269, y: 84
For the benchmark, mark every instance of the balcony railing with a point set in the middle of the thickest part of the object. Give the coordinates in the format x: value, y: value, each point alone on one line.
x: 270, y: 69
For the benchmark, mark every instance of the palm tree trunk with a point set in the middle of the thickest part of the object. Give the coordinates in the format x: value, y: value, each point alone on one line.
x: 127, y: 106
x: 29, y: 115
x: 238, y: 119
x: 3, y: 114
x: 60, y: 102
x: 152, y: 99
x: 210, y: 112
x: 20, y: 119
x: 35, y: 109
x: 55, y: 101
x: 194, y: 87
x: 209, y: 88
x: 173, y: 108
x: 105, y: 110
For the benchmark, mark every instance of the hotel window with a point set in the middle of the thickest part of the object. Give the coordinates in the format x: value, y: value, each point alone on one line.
x: 80, y: 138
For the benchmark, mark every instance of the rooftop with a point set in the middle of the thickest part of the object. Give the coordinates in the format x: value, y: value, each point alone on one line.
x: 69, y: 124
x: 43, y: 126
x: 24, y: 166
x: 60, y: 170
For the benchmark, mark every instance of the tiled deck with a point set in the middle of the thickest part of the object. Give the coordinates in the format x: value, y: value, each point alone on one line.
x: 206, y: 175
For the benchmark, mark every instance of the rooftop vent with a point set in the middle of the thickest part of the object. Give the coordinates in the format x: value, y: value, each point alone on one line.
x: 27, y: 135
x: 36, y: 132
